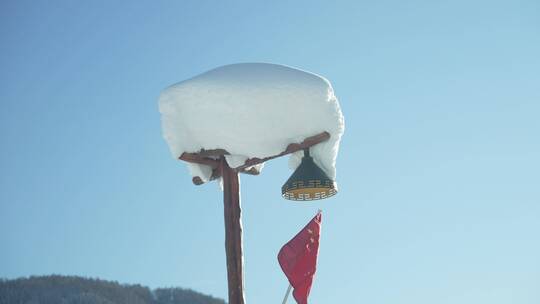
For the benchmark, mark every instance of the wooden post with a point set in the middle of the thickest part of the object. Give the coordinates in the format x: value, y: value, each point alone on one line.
x: 233, y: 233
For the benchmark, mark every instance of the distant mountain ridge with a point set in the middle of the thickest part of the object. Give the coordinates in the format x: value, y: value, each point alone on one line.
x: 57, y: 289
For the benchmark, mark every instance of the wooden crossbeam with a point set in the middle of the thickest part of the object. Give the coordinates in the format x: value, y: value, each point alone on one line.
x: 295, y: 147
x: 211, y: 157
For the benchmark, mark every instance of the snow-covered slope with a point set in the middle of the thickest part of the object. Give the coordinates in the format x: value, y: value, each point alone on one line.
x: 251, y: 110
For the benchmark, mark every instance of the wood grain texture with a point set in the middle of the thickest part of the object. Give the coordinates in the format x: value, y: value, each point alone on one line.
x: 233, y: 233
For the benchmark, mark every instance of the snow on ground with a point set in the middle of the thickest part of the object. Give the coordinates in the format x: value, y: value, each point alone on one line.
x: 251, y: 110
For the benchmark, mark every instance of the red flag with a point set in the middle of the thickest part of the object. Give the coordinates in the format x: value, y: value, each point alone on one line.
x: 298, y: 259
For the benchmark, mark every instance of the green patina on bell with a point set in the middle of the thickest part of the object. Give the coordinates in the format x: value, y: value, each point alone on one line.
x: 308, y: 182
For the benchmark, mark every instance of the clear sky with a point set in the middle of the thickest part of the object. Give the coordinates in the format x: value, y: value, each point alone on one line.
x: 438, y: 169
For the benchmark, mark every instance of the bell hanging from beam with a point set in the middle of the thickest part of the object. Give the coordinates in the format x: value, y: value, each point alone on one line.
x: 308, y: 182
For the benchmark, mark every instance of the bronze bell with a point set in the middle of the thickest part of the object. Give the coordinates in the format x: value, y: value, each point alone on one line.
x: 308, y: 182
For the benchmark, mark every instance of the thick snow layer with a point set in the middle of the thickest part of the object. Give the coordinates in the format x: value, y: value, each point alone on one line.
x: 251, y: 110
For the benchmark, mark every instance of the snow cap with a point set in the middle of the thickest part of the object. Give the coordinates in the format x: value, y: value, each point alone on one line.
x: 251, y: 110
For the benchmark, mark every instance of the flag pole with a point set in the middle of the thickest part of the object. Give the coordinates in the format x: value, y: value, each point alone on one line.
x: 287, y: 294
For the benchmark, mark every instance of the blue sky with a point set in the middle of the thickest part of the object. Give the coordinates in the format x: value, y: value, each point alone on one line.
x: 438, y: 169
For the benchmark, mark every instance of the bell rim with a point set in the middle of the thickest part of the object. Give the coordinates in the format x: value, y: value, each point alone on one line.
x: 291, y: 197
